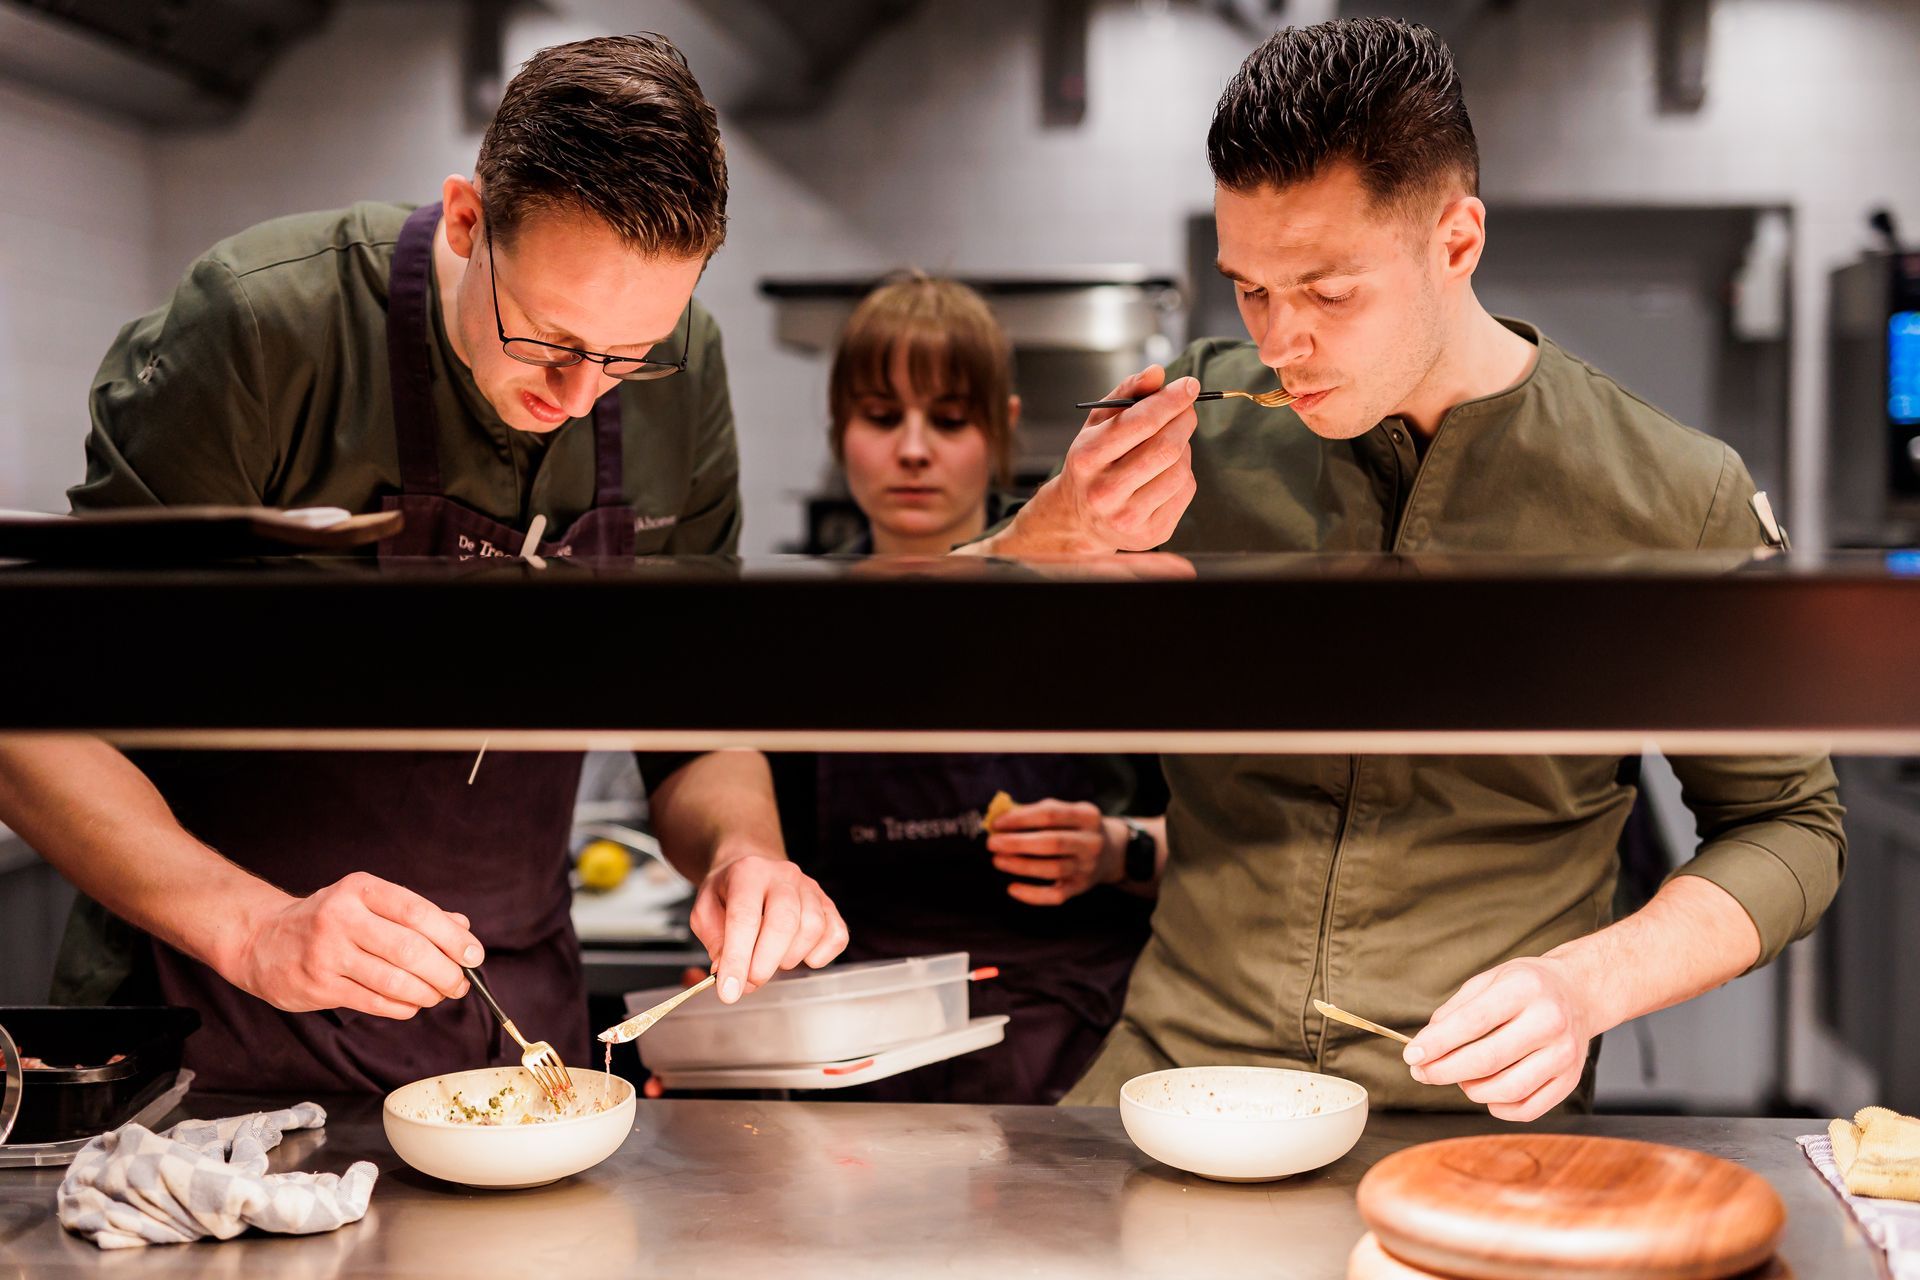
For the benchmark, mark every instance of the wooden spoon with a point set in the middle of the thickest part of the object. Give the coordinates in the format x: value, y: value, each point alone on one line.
x: 1355, y: 1020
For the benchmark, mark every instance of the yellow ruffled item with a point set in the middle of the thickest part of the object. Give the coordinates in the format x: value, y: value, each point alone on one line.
x: 1878, y: 1154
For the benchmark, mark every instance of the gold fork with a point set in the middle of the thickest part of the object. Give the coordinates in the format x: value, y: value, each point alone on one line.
x: 1265, y: 399
x: 540, y: 1059
x: 639, y: 1022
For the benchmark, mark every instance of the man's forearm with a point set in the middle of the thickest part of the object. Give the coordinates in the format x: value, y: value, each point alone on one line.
x: 92, y: 814
x: 1694, y: 936
x: 715, y: 808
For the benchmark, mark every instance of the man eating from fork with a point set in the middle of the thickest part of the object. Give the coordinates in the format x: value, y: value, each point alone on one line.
x: 1468, y: 896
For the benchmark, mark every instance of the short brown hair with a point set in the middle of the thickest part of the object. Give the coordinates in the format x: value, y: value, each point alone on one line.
x: 615, y: 127
x: 1379, y: 93
x: 954, y: 347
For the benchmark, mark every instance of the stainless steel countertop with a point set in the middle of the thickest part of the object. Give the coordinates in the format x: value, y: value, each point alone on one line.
x: 791, y: 1191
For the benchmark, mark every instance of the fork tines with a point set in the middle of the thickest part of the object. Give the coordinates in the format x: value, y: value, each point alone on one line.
x: 550, y: 1073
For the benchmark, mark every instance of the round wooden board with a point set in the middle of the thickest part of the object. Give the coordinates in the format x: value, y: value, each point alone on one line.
x: 1370, y: 1262
x: 1513, y: 1206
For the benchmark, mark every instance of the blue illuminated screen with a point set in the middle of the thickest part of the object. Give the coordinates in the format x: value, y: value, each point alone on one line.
x: 1903, y: 367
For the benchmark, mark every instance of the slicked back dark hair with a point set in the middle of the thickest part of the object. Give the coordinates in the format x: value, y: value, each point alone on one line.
x: 615, y: 127
x: 1379, y: 93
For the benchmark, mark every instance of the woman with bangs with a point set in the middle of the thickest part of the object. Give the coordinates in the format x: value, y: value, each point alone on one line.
x: 1058, y: 894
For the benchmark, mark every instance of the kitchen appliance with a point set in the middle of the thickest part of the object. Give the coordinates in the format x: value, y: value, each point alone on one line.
x: 1075, y: 333
x: 47, y: 1114
x: 10, y: 1081
x: 1874, y: 401
x: 85, y: 1090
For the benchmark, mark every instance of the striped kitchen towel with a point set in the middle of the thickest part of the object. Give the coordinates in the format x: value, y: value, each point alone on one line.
x: 205, y: 1178
x: 1892, y: 1225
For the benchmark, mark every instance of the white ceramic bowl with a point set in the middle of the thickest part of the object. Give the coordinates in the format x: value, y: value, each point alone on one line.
x: 1243, y: 1124
x: 506, y: 1155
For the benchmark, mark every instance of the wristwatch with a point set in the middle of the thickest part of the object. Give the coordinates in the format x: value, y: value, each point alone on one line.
x: 1142, y: 853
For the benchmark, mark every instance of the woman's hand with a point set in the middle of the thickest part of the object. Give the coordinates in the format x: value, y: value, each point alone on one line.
x: 1069, y: 843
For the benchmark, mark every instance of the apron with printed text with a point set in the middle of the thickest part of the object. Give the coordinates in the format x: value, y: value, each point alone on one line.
x: 901, y: 851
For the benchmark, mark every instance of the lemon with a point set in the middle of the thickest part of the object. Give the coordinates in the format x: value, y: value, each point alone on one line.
x: 604, y: 864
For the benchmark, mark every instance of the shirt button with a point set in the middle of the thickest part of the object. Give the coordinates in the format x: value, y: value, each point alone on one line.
x: 1396, y: 436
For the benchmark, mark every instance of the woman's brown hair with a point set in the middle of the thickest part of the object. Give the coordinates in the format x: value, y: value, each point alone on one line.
x: 954, y: 347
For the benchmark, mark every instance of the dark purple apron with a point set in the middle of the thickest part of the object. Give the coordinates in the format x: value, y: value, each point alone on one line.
x: 495, y: 851
x: 898, y: 851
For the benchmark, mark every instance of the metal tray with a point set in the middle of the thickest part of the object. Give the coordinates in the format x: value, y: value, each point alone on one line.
x: 59, y: 1104
x: 153, y: 1105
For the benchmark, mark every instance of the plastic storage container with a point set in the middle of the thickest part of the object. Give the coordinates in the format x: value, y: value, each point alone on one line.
x: 810, y: 1016
x: 82, y: 1094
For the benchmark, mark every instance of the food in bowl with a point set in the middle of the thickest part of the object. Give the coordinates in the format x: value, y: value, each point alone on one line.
x: 508, y: 1104
x: 1243, y: 1124
x: 493, y: 1127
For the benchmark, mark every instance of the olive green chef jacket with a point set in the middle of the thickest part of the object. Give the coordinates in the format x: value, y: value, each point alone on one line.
x: 1382, y: 883
x: 264, y: 381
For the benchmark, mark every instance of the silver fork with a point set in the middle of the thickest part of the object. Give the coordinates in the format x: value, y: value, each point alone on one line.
x: 540, y: 1058
x: 1265, y: 399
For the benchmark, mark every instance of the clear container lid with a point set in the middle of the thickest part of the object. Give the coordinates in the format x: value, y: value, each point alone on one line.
x: 816, y: 986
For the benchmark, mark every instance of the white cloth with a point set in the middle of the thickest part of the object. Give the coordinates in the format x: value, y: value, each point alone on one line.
x: 205, y: 1178
x: 1892, y: 1225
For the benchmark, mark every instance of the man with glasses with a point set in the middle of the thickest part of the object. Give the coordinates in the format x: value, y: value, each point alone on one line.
x: 563, y: 380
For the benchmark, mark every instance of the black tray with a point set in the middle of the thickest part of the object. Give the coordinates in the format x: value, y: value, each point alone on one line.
x: 65, y: 1102
x: 182, y: 535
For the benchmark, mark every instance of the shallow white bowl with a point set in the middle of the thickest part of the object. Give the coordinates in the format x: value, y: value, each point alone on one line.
x: 509, y: 1155
x: 1243, y: 1124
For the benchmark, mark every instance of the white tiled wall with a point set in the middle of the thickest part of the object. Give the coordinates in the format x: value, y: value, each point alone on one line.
x: 76, y: 232
x: 1810, y: 103
x: 931, y: 152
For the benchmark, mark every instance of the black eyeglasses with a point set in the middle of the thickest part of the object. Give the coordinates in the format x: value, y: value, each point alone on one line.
x: 551, y: 355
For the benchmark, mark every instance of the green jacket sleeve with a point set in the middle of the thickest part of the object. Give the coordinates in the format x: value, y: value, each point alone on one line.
x: 1731, y: 524
x: 1770, y: 835
x: 1770, y: 826
x: 179, y: 415
x: 710, y: 523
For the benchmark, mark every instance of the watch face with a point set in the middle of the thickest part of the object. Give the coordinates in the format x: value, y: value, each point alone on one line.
x: 1140, y: 851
